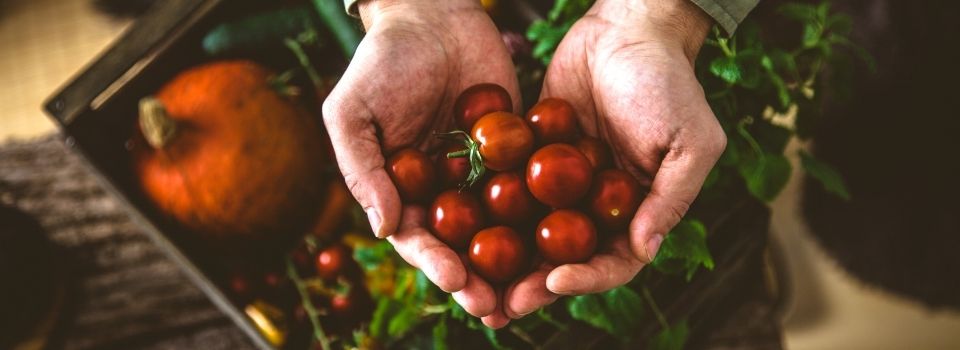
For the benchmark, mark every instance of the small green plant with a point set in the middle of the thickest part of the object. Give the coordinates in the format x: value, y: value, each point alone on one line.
x: 764, y: 92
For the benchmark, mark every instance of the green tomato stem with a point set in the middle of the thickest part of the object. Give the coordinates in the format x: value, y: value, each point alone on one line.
x: 312, y: 312
x: 656, y: 309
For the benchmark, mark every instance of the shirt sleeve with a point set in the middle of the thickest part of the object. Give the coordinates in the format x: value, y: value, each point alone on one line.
x: 727, y: 13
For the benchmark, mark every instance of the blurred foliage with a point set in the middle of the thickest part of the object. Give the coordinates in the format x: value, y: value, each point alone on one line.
x: 764, y: 92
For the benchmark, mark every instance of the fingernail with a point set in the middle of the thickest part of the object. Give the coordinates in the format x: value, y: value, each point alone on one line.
x: 653, y: 245
x: 525, y: 313
x: 374, y: 219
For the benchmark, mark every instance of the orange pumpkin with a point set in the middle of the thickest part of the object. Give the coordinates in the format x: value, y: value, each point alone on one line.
x: 227, y: 156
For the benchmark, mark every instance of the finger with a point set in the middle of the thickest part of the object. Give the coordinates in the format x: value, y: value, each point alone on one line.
x: 675, y: 186
x: 354, y: 138
x: 497, y: 319
x: 601, y: 273
x: 477, y: 297
x: 529, y: 294
x: 421, y: 249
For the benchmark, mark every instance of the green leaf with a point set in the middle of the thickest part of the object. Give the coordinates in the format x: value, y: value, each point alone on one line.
x: 732, y: 154
x: 671, y: 338
x: 386, y: 308
x: 766, y: 175
x: 839, y: 24
x: 618, y: 311
x: 825, y: 174
x: 684, y: 249
x: 589, y: 308
x: 748, y: 62
x: 811, y: 34
x: 440, y: 334
x: 456, y: 311
x: 726, y: 68
x: 403, y: 321
x: 491, y: 336
x: 781, y: 61
x: 798, y: 11
x: 370, y: 257
x: 712, y: 177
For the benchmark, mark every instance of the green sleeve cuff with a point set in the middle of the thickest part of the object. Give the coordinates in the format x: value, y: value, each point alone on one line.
x: 351, y: 6
x: 727, y: 13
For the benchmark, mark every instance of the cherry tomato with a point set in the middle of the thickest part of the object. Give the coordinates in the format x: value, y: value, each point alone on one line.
x: 455, y: 217
x: 273, y: 280
x: 347, y: 311
x: 497, y: 254
x: 566, y: 237
x: 507, y: 199
x: 413, y: 174
x: 596, y: 151
x: 552, y: 120
x: 479, y: 100
x: 241, y: 285
x: 353, y: 304
x: 452, y: 171
x: 335, y: 261
x: 505, y: 140
x: 559, y: 175
x: 614, y: 199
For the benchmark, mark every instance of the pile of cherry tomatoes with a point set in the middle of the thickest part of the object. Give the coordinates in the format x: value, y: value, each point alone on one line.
x: 513, y: 191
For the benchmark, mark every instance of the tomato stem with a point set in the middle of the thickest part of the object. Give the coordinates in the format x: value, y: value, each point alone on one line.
x: 472, y: 152
x: 312, y: 312
x: 459, y: 154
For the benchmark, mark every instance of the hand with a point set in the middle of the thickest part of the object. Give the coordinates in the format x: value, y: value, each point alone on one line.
x: 627, y: 69
x: 415, y: 59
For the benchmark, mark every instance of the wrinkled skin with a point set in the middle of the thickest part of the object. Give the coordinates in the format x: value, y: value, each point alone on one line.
x: 400, y: 87
x: 627, y: 69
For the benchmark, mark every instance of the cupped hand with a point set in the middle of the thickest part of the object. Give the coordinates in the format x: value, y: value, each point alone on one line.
x: 416, y: 58
x: 627, y: 69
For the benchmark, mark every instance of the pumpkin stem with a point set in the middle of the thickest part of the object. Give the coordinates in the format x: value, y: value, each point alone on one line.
x: 157, y: 127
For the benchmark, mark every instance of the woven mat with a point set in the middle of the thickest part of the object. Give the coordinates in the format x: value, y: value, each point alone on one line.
x: 123, y: 292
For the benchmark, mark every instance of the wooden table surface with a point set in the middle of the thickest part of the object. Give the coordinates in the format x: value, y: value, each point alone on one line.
x: 122, y: 293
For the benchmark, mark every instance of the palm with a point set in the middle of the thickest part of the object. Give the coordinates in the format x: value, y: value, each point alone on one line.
x: 400, y: 88
x: 412, y: 72
x: 645, y: 102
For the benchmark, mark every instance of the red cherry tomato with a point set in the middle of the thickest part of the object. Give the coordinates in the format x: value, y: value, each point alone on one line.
x: 452, y: 172
x: 497, y: 254
x: 334, y: 261
x: 596, y: 151
x: 413, y: 174
x: 559, y: 175
x: 614, y: 199
x: 552, y: 120
x: 352, y: 304
x: 566, y: 237
x: 455, y: 217
x: 505, y: 140
x: 479, y: 100
x: 347, y: 311
x: 507, y: 199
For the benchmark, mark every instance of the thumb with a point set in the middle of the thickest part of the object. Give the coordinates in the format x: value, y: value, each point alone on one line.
x: 353, y: 135
x: 675, y: 186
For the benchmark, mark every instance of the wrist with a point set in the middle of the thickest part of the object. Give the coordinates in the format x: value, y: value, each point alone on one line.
x: 679, y: 24
x: 372, y: 11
